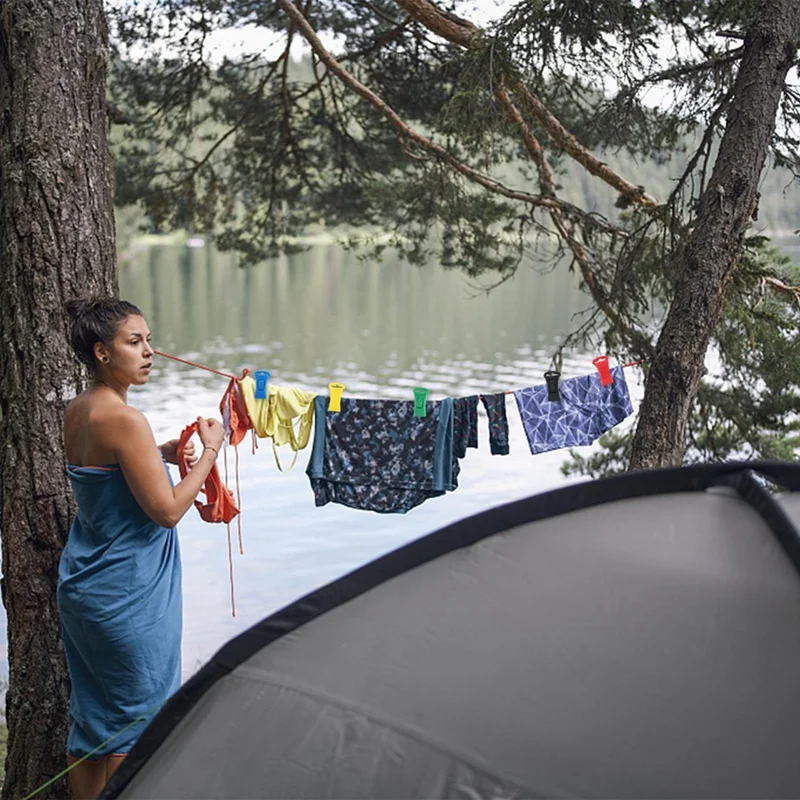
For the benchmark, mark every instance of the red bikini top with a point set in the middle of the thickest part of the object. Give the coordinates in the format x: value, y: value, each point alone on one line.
x: 238, y: 418
x: 219, y: 505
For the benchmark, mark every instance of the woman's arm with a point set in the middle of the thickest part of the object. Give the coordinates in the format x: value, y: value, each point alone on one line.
x: 141, y: 464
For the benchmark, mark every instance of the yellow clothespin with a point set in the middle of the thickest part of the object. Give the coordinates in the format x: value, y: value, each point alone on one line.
x: 335, y: 403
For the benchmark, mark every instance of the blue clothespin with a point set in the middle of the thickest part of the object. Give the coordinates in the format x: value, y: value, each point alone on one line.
x: 420, y: 398
x: 261, y: 377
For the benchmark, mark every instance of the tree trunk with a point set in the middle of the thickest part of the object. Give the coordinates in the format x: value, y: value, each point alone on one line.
x: 716, y: 243
x: 56, y: 240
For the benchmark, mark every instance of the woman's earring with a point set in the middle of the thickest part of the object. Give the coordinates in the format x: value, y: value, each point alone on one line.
x: 104, y: 359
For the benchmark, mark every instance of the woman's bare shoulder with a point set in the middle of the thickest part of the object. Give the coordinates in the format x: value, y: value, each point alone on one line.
x: 93, y: 409
x: 97, y: 426
x: 118, y: 419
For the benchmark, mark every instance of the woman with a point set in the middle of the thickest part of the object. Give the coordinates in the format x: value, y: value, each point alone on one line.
x: 119, y: 587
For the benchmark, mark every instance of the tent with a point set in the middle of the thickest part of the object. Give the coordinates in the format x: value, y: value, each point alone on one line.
x: 632, y: 637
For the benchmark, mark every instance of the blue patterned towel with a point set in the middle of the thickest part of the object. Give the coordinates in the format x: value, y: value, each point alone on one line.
x: 586, y: 411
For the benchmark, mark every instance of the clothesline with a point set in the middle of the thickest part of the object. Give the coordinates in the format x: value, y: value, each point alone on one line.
x: 240, y: 415
x: 199, y: 366
x: 229, y: 376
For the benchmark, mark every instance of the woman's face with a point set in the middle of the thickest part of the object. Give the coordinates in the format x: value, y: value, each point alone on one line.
x: 130, y: 355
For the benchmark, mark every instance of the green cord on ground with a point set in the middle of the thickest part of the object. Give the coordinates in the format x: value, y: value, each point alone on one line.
x: 88, y: 755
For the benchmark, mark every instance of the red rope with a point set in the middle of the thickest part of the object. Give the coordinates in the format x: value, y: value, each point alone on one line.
x: 194, y: 364
x: 238, y: 522
x: 624, y: 366
x: 239, y: 498
x: 229, y: 377
x: 230, y: 554
x: 230, y: 571
x: 239, y: 501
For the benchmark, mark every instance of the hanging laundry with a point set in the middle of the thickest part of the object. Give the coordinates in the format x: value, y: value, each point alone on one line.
x: 275, y: 417
x: 465, y: 425
x: 375, y: 455
x: 586, y: 411
x: 465, y: 431
x: 495, y: 405
x: 236, y: 422
x: 235, y: 418
x: 220, y: 505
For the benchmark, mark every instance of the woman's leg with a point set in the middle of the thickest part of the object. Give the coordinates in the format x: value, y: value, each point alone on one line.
x: 86, y: 779
x: 112, y: 764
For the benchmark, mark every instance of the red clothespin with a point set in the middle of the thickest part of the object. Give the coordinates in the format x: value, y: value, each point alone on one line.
x: 601, y: 362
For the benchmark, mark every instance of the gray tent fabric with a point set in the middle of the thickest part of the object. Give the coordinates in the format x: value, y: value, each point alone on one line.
x: 634, y: 637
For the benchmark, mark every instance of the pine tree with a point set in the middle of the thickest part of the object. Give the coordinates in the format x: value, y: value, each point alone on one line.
x: 423, y: 123
x: 56, y: 241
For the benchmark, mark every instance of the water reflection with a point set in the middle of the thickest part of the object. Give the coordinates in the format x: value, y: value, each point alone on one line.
x: 324, y: 312
x: 381, y: 328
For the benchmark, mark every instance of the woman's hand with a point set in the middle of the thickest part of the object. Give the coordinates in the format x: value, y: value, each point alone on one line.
x: 170, y: 452
x: 211, y: 434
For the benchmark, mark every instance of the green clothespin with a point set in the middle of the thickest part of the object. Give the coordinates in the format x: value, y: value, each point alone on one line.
x: 420, y: 398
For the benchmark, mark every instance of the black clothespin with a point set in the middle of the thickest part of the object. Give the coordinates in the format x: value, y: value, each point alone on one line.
x: 551, y: 378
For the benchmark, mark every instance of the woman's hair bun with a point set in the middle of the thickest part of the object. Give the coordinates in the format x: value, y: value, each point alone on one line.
x: 79, y: 307
x: 95, y: 319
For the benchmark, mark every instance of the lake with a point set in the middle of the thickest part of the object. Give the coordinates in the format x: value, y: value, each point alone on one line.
x: 379, y: 328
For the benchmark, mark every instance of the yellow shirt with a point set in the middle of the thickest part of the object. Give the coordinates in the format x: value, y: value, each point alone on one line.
x: 274, y: 417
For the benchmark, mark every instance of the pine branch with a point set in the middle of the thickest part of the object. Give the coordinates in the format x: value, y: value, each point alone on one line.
x: 565, y: 140
x: 286, y: 100
x: 779, y: 286
x: 681, y: 71
x: 387, y: 37
x: 450, y: 27
x: 199, y: 163
x: 469, y: 36
x: 564, y: 227
x: 391, y: 115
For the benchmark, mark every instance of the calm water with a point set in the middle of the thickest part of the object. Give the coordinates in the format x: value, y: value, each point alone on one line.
x: 381, y: 329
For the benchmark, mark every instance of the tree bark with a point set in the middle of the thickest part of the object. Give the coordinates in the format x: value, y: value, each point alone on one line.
x: 716, y: 242
x: 56, y: 241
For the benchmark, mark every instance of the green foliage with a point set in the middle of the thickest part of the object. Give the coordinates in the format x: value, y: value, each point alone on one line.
x: 260, y: 149
x: 748, y: 407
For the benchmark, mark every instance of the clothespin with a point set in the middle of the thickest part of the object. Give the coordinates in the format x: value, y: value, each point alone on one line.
x: 551, y: 378
x: 261, y: 377
x: 606, y: 378
x: 420, y: 398
x: 335, y: 402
